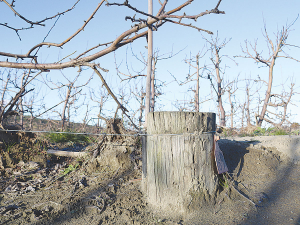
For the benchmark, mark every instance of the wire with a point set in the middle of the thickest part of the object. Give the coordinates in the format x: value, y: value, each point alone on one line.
x: 101, y: 134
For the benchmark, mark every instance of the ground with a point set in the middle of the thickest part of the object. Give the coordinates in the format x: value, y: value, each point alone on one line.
x: 262, y: 187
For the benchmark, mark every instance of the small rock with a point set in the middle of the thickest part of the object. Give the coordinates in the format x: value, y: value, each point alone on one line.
x: 47, y: 208
x: 21, y: 164
x: 22, y: 183
x: 33, y: 165
x: 30, y: 188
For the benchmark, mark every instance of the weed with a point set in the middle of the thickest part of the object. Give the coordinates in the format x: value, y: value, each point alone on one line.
x: 259, y: 131
x: 68, y: 137
x: 70, y: 169
x: 280, y: 132
x: 296, y: 132
x: 8, y: 146
x: 223, y: 181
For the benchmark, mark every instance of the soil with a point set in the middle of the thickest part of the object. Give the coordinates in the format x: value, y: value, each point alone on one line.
x: 105, y: 187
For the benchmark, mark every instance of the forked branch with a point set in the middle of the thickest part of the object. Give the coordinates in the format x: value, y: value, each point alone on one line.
x: 123, y: 39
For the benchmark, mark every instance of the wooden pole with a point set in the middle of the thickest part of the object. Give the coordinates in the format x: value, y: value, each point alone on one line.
x: 178, y: 160
x: 149, y: 66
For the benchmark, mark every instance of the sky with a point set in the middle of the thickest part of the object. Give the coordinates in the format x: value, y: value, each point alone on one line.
x: 243, y: 20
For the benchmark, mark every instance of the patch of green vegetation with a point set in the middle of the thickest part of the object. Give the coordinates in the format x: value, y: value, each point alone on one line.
x: 8, y: 146
x: 68, y: 137
x: 223, y: 181
x: 279, y: 132
x: 270, y: 131
x: 70, y: 169
x: 295, y: 132
x: 259, y: 131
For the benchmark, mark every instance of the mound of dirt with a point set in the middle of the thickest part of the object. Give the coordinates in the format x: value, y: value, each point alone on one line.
x: 21, y: 146
x: 261, y: 188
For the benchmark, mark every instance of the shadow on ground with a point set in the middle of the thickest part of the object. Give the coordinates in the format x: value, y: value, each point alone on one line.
x: 234, y: 153
x: 282, y: 203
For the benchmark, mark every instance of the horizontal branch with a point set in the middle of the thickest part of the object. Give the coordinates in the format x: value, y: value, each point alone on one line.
x: 120, y: 41
x: 17, y: 56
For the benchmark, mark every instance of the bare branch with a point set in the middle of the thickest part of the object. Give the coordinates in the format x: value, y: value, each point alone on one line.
x: 71, y: 37
x: 37, y: 22
x: 120, y: 41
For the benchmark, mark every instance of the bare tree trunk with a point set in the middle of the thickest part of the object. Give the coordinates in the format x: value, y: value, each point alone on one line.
x: 243, y: 114
x: 153, y: 85
x: 285, y: 104
x: 63, y: 119
x: 197, y: 95
x: 100, y: 110
x: 268, y: 92
x: 248, y: 105
x: 31, y: 122
x: 141, y: 107
x: 21, y: 107
x: 21, y: 113
x: 231, y: 108
x: 85, y: 120
x: 3, y: 92
x: 122, y: 114
x: 219, y: 90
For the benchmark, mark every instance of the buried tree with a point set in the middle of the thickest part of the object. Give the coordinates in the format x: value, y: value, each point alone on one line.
x: 178, y: 160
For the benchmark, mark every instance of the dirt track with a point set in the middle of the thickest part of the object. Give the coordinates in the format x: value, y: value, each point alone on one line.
x: 266, y: 186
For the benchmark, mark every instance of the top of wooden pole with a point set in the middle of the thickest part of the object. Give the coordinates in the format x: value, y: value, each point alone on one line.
x: 180, y: 122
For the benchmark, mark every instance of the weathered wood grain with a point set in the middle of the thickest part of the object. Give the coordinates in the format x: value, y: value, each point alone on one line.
x: 174, y: 166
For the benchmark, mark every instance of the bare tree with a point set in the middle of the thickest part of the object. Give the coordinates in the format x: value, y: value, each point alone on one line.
x: 83, y: 59
x: 276, y: 50
x: 24, y: 79
x: 5, y: 82
x: 11, y: 102
x: 231, y: 90
x: 139, y: 94
x: 133, y: 74
x: 284, y: 100
x: 193, y: 62
x: 247, y: 104
x: 69, y: 97
x: 100, y: 98
x: 215, y: 47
